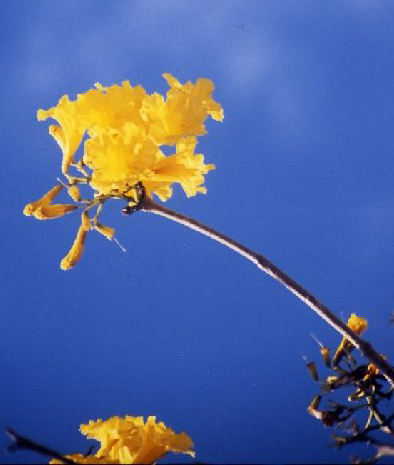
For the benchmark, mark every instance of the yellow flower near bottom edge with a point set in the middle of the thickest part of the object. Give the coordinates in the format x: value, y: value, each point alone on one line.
x: 132, y: 440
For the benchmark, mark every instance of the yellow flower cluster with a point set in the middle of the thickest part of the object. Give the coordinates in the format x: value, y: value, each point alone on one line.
x: 124, y: 129
x: 132, y: 440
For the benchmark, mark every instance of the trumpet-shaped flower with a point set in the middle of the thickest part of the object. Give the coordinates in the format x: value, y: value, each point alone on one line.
x: 119, y: 163
x: 131, y: 440
x: 182, y: 113
x: 70, y: 132
x: 110, y: 109
x: 185, y: 167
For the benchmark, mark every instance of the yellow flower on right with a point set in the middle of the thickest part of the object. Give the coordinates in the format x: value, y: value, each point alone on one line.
x: 182, y: 113
x: 358, y: 325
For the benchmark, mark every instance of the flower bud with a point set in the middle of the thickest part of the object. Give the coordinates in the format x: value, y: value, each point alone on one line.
x: 313, y: 408
x: 76, y: 250
x: 48, y: 212
x: 74, y: 193
x: 311, y: 367
x: 325, y: 352
x: 86, y: 221
x: 105, y: 231
x: 45, y: 200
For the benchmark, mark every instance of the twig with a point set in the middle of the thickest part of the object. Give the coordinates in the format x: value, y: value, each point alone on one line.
x: 382, y: 450
x: 268, y: 267
x: 20, y: 442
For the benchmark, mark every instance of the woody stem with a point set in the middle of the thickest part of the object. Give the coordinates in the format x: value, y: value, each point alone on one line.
x: 271, y: 269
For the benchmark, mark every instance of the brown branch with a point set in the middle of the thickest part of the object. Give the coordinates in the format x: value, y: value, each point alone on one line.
x: 383, y: 451
x: 20, y: 442
x: 268, y: 267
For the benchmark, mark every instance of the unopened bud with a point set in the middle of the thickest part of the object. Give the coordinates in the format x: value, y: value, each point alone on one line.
x: 74, y: 193
x: 76, y: 250
x: 49, y: 212
x: 44, y: 200
x: 311, y: 367
x: 105, y: 231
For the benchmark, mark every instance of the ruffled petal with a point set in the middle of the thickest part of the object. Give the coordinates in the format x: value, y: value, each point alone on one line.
x: 184, y: 111
x: 132, y: 440
x: 71, y: 130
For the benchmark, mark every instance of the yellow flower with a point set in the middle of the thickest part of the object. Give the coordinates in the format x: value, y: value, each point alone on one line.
x: 118, y: 164
x: 184, y: 167
x: 357, y: 324
x: 183, y: 112
x: 70, y: 132
x: 76, y: 250
x: 131, y: 440
x: 126, y: 128
x: 109, y: 109
x: 30, y: 208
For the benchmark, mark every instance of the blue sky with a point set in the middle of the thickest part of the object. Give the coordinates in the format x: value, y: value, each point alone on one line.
x: 180, y: 327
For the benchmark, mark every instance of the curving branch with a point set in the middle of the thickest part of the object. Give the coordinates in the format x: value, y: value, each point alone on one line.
x: 271, y: 269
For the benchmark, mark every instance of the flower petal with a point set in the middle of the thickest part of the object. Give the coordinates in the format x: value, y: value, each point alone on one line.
x: 70, y: 132
x: 131, y: 440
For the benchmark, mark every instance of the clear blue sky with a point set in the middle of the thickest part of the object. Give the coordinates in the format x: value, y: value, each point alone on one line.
x: 180, y: 327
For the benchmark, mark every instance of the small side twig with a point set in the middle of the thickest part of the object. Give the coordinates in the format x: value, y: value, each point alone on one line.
x: 382, y: 450
x: 21, y: 442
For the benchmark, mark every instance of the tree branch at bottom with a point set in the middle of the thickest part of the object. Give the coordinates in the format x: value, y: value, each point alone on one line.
x: 21, y: 442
